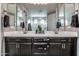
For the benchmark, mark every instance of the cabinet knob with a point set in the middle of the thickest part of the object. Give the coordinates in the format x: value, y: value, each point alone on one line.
x: 45, y: 48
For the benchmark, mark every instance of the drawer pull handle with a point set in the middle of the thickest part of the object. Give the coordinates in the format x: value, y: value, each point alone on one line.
x: 54, y: 43
x: 40, y: 43
x: 63, y: 45
x: 25, y: 43
x: 17, y: 45
x: 39, y: 53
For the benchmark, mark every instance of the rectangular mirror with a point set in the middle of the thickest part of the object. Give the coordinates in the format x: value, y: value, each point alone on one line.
x: 9, y: 19
x: 29, y: 16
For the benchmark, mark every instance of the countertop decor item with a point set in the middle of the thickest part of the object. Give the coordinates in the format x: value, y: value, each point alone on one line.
x: 39, y: 30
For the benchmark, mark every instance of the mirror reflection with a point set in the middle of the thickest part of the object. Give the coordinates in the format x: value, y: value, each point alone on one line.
x: 9, y: 17
x: 29, y: 16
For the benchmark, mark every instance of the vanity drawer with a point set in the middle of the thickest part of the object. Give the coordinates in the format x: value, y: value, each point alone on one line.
x: 40, y: 40
x: 40, y: 48
x: 66, y: 40
x: 61, y: 40
x: 55, y: 40
x: 12, y: 40
x: 25, y: 40
x: 18, y: 40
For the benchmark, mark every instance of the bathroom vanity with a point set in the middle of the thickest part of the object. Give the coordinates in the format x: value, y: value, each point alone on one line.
x: 48, y: 44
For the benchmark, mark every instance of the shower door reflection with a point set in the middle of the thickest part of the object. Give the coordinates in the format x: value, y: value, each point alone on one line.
x: 35, y: 21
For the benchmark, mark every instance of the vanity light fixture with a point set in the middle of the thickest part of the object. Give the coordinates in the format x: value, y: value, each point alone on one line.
x: 40, y: 3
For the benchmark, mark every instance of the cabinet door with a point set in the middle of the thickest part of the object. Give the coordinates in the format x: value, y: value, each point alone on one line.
x: 54, y: 49
x: 11, y: 47
x: 66, y: 46
x: 25, y: 49
x: 66, y: 49
x: 13, y: 50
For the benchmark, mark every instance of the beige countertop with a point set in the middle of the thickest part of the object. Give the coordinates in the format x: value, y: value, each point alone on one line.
x: 47, y: 34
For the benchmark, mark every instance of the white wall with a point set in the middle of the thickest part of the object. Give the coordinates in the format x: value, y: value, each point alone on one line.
x: 51, y: 22
x: 0, y: 30
x: 78, y: 44
x: 2, y: 42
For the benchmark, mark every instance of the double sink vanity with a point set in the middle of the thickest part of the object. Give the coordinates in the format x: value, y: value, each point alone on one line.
x: 32, y: 31
x: 17, y: 43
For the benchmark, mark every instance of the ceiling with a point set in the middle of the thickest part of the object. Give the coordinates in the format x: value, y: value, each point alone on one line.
x: 50, y: 7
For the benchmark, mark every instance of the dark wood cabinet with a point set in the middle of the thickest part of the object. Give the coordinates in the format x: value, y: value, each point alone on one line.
x: 25, y: 46
x: 25, y: 49
x: 12, y: 50
x: 40, y: 46
x: 66, y: 50
x: 61, y: 46
x: 18, y: 47
x: 66, y: 44
x: 54, y: 49
x: 11, y: 47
